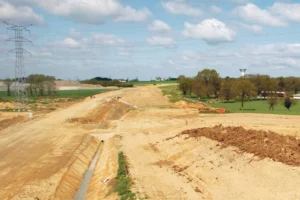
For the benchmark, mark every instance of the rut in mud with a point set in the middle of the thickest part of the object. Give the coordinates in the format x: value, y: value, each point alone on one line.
x: 285, y: 149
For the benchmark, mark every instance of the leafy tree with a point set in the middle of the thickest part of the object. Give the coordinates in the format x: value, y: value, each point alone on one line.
x: 227, y: 91
x: 287, y: 102
x: 211, y: 81
x: 8, y: 82
x: 272, y: 101
x: 245, y: 90
x: 39, y: 83
x: 185, y: 85
x: 197, y: 88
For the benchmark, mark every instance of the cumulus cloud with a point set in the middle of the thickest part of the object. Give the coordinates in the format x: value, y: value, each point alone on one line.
x: 288, y: 11
x: 254, y: 14
x: 215, y: 9
x: 161, y: 41
x: 212, y: 31
x: 89, y: 11
x: 159, y: 26
x: 181, y: 7
x: 19, y: 14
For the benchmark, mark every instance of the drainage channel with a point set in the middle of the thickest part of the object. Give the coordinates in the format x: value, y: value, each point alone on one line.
x: 82, y: 191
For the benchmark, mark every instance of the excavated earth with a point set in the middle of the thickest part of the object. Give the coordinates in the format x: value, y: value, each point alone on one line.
x: 172, y: 152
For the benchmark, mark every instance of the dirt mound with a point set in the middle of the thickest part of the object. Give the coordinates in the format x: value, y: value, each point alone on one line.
x: 201, y: 107
x: 285, y: 149
x: 111, y: 110
x: 6, y: 105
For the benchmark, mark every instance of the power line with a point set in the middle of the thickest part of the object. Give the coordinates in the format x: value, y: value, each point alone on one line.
x: 20, y: 77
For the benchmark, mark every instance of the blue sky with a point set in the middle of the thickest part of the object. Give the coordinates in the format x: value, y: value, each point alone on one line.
x: 80, y: 39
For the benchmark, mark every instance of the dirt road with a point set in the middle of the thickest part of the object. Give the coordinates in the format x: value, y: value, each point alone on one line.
x: 47, y: 157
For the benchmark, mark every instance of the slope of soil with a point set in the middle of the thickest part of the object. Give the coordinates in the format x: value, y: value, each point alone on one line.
x: 111, y: 110
x: 10, y: 121
x: 285, y: 149
x: 201, y: 107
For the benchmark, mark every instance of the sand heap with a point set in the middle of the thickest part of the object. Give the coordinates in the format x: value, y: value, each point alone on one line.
x: 201, y: 107
x: 6, y: 105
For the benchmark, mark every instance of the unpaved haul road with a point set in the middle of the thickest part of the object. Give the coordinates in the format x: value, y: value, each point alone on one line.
x: 46, y: 158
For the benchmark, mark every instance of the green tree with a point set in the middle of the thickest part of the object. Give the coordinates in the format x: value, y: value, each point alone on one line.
x: 272, y: 101
x: 227, y: 90
x: 245, y: 90
x: 8, y: 82
x: 185, y: 85
x: 211, y: 81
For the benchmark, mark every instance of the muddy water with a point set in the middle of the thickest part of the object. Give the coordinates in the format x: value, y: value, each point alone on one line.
x: 82, y: 191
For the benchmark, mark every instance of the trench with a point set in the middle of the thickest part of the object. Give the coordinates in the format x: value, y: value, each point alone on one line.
x: 83, y: 188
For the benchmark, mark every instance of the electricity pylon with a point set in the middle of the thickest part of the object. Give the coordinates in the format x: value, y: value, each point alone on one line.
x: 20, y: 76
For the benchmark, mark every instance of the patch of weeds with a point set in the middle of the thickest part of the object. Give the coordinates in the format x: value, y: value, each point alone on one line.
x: 123, y: 181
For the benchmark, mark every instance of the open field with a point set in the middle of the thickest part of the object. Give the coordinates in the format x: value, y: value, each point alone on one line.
x: 255, y: 106
x: 140, y: 83
x: 71, y: 94
x: 169, y: 153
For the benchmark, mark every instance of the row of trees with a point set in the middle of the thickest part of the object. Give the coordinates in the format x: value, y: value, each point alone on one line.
x: 208, y: 84
x: 37, y: 85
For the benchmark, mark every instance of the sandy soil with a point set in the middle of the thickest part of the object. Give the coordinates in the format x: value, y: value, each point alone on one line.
x: 46, y: 158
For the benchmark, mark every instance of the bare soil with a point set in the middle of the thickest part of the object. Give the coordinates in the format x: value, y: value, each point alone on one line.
x: 285, y: 149
x: 46, y: 157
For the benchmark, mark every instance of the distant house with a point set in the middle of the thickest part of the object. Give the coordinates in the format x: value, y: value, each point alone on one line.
x: 122, y: 80
x: 159, y: 79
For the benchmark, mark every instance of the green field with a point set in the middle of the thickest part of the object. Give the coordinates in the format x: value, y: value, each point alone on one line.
x: 70, y: 94
x: 257, y: 106
x: 141, y: 83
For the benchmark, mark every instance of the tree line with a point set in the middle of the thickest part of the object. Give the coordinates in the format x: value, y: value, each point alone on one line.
x: 208, y: 84
x: 36, y: 85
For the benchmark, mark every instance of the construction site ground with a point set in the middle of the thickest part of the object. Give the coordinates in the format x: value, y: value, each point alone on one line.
x: 172, y: 153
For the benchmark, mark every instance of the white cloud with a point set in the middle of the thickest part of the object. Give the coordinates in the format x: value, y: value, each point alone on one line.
x: 181, y: 7
x: 159, y: 26
x: 66, y: 43
x: 89, y: 11
x: 288, y: 11
x: 161, y: 41
x: 104, y: 39
x: 212, y: 31
x: 19, y: 14
x: 254, y: 14
x: 253, y: 27
x: 215, y: 9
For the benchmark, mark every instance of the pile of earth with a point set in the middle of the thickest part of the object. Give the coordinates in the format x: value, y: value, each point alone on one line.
x: 6, y: 105
x: 201, y: 107
x: 285, y: 149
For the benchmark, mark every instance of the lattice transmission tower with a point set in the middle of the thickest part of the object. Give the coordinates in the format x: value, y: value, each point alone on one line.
x: 20, y: 75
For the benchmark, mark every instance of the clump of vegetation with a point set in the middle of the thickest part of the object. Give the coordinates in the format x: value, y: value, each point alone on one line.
x: 272, y: 101
x: 123, y: 181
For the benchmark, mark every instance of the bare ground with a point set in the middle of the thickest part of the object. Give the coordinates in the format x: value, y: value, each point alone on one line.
x: 46, y: 157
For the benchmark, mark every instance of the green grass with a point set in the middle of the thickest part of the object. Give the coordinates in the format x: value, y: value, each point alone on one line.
x: 259, y: 106
x: 172, y: 92
x: 123, y: 181
x: 70, y: 94
x: 141, y: 83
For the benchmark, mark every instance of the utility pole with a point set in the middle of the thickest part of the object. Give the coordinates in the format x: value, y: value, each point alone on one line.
x: 20, y: 76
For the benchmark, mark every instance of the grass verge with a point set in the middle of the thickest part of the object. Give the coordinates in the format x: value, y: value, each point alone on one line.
x: 123, y: 181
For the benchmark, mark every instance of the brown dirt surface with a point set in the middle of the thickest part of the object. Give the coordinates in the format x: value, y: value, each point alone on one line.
x: 46, y: 157
x: 201, y: 107
x: 8, y: 122
x: 111, y: 110
x: 285, y: 149
x: 6, y: 105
